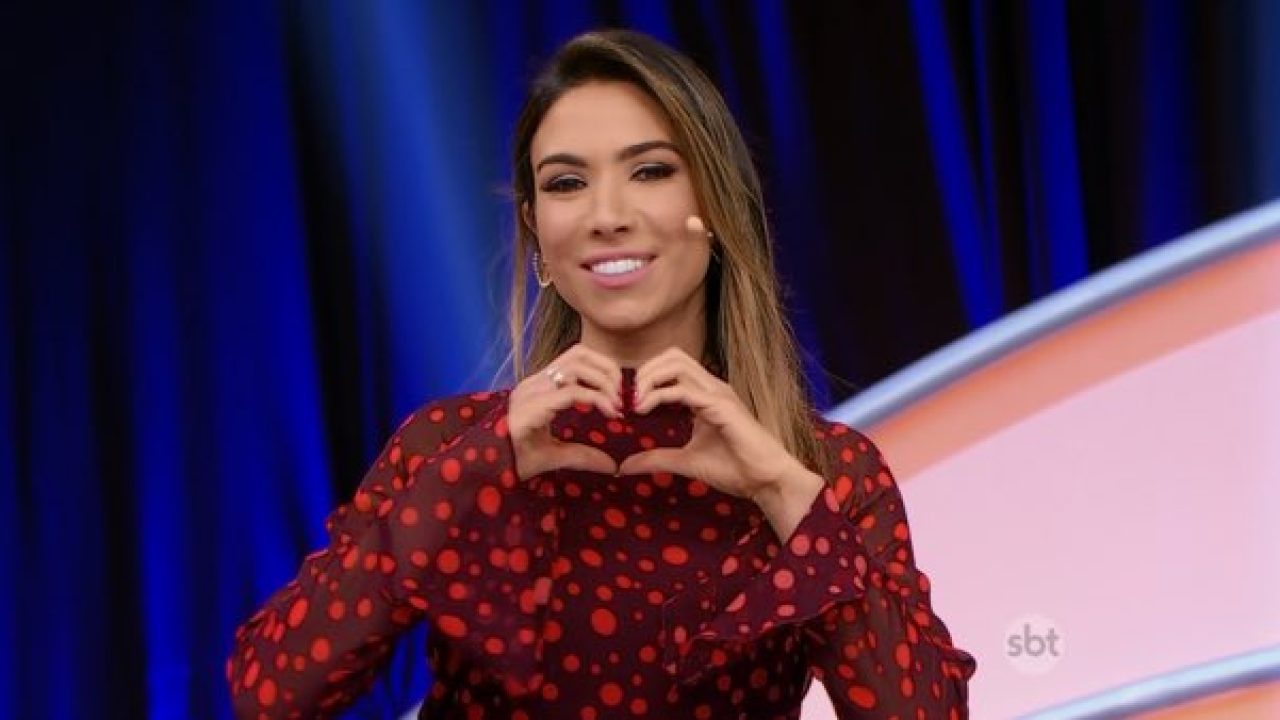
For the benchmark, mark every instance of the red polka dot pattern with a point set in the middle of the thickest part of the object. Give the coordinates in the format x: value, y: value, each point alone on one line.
x: 576, y: 595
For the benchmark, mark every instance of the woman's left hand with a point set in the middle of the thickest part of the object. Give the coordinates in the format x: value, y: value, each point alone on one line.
x: 729, y: 449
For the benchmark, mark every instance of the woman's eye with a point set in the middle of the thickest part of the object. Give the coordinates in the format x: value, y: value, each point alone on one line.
x: 653, y: 171
x: 563, y: 184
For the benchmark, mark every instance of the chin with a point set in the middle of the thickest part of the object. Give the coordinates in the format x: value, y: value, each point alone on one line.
x: 619, y: 324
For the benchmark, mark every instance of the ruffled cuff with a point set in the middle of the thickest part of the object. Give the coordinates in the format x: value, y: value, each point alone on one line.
x: 823, y: 564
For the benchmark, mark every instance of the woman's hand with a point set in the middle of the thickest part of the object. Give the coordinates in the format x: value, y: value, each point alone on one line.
x: 729, y: 449
x: 578, y: 375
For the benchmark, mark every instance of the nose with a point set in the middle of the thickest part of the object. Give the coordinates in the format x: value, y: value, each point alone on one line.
x: 609, y: 210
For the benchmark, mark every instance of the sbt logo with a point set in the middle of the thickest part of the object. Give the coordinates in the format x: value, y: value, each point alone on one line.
x: 1034, y: 644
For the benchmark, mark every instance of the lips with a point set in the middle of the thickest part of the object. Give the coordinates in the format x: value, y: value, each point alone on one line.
x: 618, y: 269
x: 617, y: 263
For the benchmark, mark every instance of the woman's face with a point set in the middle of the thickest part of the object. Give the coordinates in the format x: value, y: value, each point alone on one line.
x: 612, y: 202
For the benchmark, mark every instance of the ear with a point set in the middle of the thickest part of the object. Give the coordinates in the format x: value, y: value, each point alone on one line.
x: 527, y: 217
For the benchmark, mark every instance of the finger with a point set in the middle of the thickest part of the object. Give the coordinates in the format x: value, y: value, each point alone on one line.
x: 553, y: 378
x: 576, y: 368
x: 548, y: 404
x: 539, y: 410
x: 674, y: 357
x: 670, y: 460
x: 695, y: 398
x: 660, y: 364
x: 673, y: 370
x: 576, y: 371
x: 601, y: 362
x: 576, y: 456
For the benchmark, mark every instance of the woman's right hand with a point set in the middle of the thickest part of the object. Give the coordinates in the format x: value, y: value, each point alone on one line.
x: 578, y: 375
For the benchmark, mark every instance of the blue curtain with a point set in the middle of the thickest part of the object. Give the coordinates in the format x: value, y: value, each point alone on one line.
x: 240, y: 241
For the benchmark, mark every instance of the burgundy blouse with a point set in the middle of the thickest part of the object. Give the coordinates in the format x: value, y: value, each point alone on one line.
x: 579, y: 595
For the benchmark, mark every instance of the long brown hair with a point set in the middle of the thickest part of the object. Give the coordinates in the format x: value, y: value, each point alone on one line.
x: 749, y: 340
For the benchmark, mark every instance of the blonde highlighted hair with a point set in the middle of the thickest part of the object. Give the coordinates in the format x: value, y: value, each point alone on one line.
x: 750, y: 343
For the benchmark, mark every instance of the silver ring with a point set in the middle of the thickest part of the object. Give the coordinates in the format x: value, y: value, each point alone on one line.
x: 556, y: 376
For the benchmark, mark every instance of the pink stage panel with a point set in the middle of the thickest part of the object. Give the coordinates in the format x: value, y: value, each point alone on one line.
x: 1117, y: 482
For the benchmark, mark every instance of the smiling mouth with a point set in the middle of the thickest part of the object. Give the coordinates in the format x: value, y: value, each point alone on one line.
x: 619, y: 266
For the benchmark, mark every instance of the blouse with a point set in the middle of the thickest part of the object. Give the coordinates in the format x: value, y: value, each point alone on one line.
x: 581, y: 595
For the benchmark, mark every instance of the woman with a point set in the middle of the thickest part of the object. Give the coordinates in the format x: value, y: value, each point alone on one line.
x: 652, y: 522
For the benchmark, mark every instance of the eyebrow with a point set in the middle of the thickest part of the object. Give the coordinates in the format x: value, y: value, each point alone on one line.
x: 625, y: 153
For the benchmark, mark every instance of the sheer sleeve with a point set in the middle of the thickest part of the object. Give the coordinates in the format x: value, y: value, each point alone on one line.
x: 439, y: 528
x: 844, y: 588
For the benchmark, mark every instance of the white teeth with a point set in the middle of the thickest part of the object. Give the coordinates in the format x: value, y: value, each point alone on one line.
x: 618, y: 267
